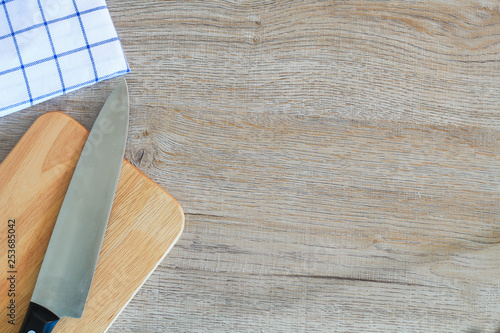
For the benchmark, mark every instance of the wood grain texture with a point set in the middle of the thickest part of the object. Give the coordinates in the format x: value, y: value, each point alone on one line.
x: 145, y: 223
x: 338, y: 162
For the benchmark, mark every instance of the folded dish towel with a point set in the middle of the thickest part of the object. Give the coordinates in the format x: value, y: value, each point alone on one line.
x: 51, y: 47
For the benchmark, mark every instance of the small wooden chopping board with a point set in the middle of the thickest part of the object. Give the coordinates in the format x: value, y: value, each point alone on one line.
x: 145, y: 223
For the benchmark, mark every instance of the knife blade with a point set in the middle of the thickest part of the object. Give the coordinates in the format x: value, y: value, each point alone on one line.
x: 69, y: 263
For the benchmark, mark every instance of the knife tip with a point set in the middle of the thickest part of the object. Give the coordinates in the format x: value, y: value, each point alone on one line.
x: 123, y: 85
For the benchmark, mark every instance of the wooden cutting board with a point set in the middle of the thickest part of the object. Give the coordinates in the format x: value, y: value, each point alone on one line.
x: 144, y: 225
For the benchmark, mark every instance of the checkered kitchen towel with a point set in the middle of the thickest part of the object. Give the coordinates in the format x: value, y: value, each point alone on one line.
x: 51, y: 47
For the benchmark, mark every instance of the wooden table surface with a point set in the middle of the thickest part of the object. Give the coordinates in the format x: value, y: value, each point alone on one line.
x: 337, y: 161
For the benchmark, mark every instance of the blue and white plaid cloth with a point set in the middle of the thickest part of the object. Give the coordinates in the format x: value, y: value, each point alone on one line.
x: 51, y: 47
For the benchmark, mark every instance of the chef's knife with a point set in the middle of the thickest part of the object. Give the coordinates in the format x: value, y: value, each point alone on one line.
x: 68, y: 267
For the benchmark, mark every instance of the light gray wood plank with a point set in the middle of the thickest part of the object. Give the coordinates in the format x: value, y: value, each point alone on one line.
x: 337, y: 162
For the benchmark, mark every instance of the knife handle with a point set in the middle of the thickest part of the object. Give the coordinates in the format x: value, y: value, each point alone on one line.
x: 38, y: 320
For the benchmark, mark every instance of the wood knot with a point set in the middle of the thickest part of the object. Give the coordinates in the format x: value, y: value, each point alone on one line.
x: 142, y: 158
